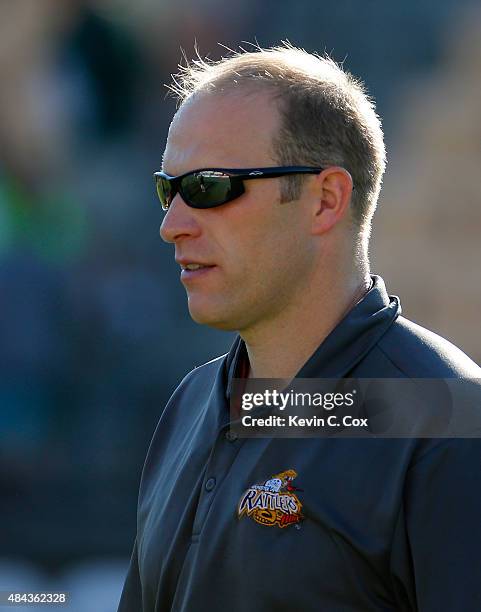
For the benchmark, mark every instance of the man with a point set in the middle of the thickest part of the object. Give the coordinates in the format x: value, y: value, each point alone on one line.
x: 280, y: 255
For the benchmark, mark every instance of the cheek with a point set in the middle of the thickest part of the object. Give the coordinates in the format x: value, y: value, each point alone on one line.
x: 271, y: 260
x: 265, y: 240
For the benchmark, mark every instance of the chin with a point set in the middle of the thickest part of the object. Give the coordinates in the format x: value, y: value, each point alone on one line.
x: 212, y: 317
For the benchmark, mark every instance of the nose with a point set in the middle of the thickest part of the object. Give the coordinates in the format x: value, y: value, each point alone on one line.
x: 179, y: 222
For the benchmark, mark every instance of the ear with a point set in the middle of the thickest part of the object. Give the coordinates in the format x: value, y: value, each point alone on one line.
x: 333, y: 190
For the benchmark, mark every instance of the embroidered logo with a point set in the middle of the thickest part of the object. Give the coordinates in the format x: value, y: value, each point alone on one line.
x: 274, y: 502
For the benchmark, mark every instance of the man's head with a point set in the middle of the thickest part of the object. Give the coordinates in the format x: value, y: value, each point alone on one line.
x: 277, y: 107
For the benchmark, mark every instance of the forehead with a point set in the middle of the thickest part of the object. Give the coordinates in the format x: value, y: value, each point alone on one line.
x: 219, y: 130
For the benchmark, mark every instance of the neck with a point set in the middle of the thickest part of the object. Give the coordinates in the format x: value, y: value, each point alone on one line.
x: 278, y: 348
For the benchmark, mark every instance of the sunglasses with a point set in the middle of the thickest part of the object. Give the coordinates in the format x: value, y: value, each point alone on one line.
x: 210, y: 187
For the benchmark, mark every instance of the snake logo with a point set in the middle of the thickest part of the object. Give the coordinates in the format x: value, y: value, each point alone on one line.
x: 273, y: 503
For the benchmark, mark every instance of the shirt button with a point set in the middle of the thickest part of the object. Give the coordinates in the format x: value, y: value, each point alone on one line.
x: 231, y: 436
x: 210, y: 484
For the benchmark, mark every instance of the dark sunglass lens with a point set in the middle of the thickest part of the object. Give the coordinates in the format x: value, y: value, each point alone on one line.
x: 206, y: 189
x: 164, y: 191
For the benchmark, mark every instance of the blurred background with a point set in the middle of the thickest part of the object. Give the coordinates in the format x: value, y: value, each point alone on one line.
x: 94, y: 328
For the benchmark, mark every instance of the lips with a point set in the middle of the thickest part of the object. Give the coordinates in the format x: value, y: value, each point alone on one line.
x: 187, y: 263
x: 192, y: 270
x: 195, y: 266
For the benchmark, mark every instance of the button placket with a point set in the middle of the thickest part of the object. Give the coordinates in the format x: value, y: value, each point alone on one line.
x: 220, y: 462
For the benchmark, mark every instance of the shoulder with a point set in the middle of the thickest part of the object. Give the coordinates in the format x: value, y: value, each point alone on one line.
x: 420, y: 353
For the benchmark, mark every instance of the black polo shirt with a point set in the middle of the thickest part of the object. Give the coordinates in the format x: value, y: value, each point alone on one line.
x: 387, y: 524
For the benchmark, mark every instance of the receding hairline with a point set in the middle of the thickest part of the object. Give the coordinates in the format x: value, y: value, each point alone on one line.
x: 237, y: 106
x: 279, y: 63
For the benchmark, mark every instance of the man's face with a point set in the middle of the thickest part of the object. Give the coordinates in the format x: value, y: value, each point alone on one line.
x: 260, y: 250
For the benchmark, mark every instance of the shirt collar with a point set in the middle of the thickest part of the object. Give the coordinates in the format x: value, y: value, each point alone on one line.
x: 344, y: 347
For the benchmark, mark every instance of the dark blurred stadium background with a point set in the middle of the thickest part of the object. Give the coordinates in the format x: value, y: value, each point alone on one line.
x: 94, y: 328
